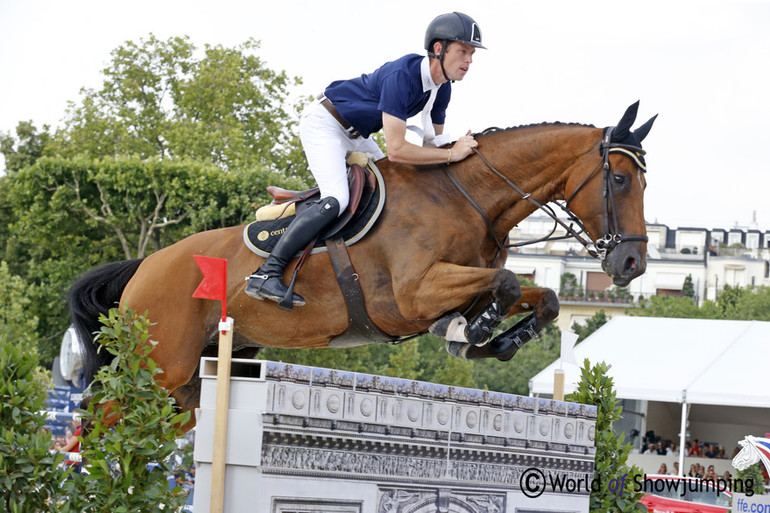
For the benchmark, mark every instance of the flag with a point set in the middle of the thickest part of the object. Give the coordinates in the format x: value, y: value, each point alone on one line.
x: 214, y: 284
x: 568, y: 340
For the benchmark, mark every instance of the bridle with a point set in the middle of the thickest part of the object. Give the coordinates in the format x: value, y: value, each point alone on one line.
x: 612, y: 236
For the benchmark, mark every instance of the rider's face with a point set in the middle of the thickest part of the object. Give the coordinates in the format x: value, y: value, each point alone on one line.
x: 457, y: 59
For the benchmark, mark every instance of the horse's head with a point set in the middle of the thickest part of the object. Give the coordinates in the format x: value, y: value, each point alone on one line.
x: 608, y: 198
x: 747, y: 456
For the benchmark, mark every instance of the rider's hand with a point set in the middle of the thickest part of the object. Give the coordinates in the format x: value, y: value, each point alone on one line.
x: 463, y: 147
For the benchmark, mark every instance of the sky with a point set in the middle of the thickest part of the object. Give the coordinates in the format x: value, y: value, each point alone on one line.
x: 703, y: 66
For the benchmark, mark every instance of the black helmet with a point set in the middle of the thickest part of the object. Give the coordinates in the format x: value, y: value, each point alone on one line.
x: 454, y: 26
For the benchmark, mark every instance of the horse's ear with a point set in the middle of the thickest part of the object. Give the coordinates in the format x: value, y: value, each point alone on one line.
x: 643, y: 130
x: 626, y: 122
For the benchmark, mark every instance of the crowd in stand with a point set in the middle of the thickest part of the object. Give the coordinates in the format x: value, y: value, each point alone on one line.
x: 696, y: 449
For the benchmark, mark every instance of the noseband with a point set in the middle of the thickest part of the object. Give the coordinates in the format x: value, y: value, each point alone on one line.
x: 597, y: 249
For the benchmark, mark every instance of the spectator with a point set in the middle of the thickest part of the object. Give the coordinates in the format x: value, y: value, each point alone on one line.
x: 675, y: 472
x: 711, y: 452
x: 651, y: 449
x: 663, y: 470
x: 710, y: 474
x: 693, y: 471
x: 73, y: 444
x: 660, y: 449
x: 722, y: 454
x: 671, y: 451
x: 696, y: 450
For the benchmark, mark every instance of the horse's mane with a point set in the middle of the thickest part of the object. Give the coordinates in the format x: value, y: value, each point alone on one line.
x: 496, y: 130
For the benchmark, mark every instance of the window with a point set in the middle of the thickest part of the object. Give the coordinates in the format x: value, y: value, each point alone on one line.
x: 294, y: 505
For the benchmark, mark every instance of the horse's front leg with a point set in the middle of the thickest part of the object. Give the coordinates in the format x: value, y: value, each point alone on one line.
x: 544, y: 307
x: 446, y: 287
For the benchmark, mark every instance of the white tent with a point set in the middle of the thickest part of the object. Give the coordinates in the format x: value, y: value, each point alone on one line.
x: 698, y: 361
x: 687, y: 361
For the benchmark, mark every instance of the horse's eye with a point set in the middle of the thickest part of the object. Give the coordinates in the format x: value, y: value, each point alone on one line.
x: 619, y: 179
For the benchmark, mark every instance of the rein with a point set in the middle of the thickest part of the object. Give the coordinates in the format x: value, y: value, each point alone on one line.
x: 597, y: 249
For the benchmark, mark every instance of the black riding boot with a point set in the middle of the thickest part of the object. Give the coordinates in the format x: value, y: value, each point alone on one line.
x: 267, y: 281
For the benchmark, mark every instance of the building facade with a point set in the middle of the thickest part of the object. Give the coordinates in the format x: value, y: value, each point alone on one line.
x: 712, y: 258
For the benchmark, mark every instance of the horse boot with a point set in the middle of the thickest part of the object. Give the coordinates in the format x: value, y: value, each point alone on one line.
x: 267, y: 281
x: 481, y: 327
x: 506, y: 344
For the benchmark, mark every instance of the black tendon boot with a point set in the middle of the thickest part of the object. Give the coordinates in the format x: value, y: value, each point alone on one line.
x: 267, y: 281
x: 481, y: 327
x: 506, y: 344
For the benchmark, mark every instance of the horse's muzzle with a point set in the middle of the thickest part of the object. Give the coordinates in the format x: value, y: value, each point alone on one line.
x: 625, y: 262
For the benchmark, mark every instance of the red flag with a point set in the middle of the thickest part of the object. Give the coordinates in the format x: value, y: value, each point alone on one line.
x: 214, y: 284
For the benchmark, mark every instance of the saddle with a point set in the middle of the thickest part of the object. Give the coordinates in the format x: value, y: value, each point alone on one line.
x: 367, y: 198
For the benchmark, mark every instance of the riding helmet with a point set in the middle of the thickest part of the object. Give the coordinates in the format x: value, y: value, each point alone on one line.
x: 454, y: 26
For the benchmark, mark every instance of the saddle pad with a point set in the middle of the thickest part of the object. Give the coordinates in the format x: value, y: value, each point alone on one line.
x: 262, y: 236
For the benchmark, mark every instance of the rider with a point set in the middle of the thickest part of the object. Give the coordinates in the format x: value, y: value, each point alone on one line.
x: 349, y: 111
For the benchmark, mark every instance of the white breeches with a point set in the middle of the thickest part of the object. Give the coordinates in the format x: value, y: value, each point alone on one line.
x: 326, y: 146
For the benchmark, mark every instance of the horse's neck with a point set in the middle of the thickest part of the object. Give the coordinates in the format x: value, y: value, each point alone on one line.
x: 538, y: 160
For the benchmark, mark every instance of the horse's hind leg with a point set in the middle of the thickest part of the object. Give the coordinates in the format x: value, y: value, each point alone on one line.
x: 544, y: 307
x: 187, y: 396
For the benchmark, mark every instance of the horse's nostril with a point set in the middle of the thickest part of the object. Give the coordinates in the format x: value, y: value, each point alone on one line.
x: 630, y: 265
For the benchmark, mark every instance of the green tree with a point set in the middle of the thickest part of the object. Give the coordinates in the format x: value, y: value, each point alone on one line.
x: 24, y: 149
x: 159, y: 99
x: 752, y: 475
x: 130, y: 461
x: 734, y: 303
x: 592, y: 324
x: 688, y: 289
x: 729, y: 300
x: 101, y: 210
x: 16, y: 322
x: 404, y: 361
x: 29, y: 478
x: 513, y: 376
x: 596, y: 388
x: 667, y: 306
x: 568, y: 284
x: 753, y: 305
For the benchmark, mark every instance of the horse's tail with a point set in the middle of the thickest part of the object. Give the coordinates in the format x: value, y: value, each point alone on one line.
x: 93, y: 294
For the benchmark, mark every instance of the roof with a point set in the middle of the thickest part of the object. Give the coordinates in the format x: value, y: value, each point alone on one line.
x: 701, y: 361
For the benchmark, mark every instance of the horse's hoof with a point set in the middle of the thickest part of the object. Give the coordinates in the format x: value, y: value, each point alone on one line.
x: 441, y: 327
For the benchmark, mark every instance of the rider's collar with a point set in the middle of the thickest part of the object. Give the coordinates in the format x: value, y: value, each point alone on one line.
x: 427, y: 80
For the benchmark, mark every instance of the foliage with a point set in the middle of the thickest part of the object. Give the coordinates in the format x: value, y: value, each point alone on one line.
x: 405, y: 363
x: 752, y: 475
x: 130, y: 462
x: 513, y: 376
x: 688, y: 289
x: 101, y: 210
x: 16, y: 323
x: 733, y: 303
x: 159, y: 99
x: 568, y: 285
x: 24, y: 149
x: 29, y: 473
x: 596, y: 388
x: 592, y: 324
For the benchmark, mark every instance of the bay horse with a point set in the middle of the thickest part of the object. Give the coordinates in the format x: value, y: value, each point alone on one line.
x: 437, y: 250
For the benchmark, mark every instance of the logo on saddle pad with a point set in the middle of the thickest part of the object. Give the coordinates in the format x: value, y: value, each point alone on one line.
x: 367, y: 200
x: 264, y: 234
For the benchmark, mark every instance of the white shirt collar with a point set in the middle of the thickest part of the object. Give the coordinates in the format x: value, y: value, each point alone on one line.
x: 427, y: 79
